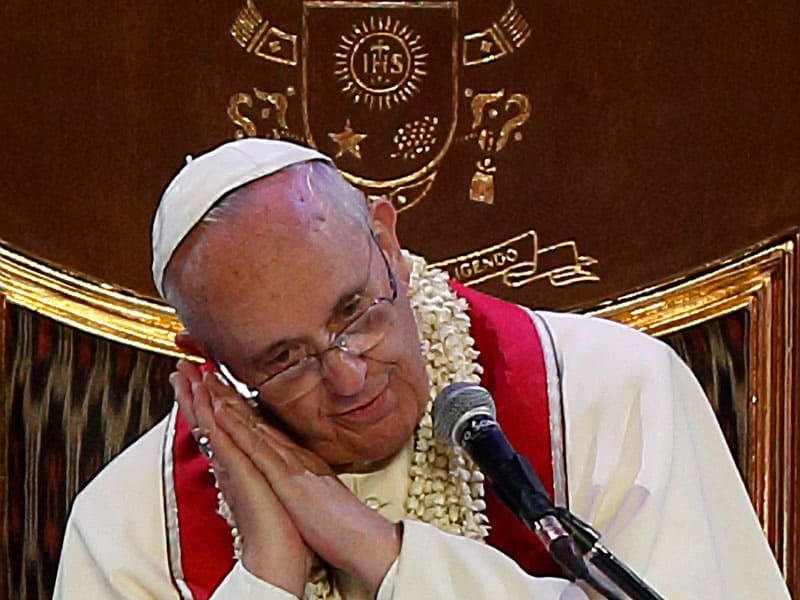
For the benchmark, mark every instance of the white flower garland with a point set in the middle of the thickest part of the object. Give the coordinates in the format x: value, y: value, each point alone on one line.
x: 446, y: 488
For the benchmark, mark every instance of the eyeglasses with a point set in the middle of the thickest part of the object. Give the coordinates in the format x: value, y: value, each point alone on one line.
x: 294, y: 372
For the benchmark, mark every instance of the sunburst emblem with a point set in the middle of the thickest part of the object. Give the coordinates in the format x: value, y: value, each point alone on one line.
x: 381, y: 63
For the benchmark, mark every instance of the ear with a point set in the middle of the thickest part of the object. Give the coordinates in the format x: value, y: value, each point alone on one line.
x: 383, y: 218
x: 186, y: 343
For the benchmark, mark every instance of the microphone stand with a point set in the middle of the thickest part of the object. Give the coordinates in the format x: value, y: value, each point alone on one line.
x: 573, y: 544
x: 613, y: 571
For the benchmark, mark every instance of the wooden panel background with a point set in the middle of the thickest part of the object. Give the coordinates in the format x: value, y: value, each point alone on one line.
x: 661, y: 136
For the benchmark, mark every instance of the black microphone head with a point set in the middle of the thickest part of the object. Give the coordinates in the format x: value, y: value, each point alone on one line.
x: 455, y: 405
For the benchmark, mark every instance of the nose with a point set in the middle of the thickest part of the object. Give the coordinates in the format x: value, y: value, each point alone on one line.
x: 343, y: 373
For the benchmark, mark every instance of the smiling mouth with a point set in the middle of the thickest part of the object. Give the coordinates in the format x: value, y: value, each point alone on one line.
x: 360, y: 407
x: 366, y: 412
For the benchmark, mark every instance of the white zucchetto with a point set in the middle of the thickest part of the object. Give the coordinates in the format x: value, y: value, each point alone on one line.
x: 205, y: 179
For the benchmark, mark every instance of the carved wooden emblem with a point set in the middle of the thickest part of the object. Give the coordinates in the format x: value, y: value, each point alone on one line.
x: 378, y: 86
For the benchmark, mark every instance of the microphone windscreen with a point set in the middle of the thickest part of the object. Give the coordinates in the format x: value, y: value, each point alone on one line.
x: 457, y: 402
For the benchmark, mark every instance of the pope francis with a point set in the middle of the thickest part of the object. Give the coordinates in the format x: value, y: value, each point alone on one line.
x: 299, y: 460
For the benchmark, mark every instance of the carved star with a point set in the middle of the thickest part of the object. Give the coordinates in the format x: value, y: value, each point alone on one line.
x: 348, y: 141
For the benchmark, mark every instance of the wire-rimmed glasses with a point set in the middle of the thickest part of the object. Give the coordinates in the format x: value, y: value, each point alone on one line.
x: 300, y: 372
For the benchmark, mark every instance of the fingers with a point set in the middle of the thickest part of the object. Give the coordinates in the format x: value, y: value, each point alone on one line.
x: 249, y: 433
x: 184, y: 397
x: 272, y: 548
x: 323, y: 514
x: 181, y: 379
x: 189, y: 369
x: 208, y: 397
x: 239, y: 435
x: 273, y: 452
x: 229, y: 462
x: 232, y: 405
x: 244, y: 486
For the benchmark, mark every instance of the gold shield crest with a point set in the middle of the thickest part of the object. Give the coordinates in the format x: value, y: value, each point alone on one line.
x: 380, y: 90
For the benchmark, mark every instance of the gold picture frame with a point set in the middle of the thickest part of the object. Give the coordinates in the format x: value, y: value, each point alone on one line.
x: 764, y: 283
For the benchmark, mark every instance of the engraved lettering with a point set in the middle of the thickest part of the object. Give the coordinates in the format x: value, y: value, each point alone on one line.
x: 485, y: 264
x: 379, y: 59
x: 397, y: 63
x: 381, y: 62
x: 560, y: 264
x: 508, y: 256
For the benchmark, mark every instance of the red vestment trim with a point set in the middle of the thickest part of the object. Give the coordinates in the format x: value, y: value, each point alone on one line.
x: 514, y: 373
x: 206, y: 544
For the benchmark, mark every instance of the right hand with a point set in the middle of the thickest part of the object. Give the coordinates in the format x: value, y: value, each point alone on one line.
x: 272, y: 548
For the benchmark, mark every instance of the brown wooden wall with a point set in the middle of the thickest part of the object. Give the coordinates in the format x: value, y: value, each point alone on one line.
x: 660, y: 136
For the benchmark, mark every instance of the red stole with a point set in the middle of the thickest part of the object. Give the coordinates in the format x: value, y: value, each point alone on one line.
x: 515, y: 375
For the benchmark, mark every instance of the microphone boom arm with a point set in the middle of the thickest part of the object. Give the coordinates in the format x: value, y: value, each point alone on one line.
x: 612, y: 568
x: 464, y: 415
x: 572, y: 543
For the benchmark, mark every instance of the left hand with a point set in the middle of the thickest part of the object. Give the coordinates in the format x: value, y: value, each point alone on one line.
x: 332, y: 521
x: 272, y: 548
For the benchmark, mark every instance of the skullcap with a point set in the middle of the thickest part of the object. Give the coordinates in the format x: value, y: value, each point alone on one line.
x: 208, y: 177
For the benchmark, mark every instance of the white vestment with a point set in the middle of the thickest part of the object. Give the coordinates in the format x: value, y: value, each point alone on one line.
x: 646, y: 464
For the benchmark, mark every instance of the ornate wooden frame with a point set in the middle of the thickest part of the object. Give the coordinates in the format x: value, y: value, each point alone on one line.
x: 4, y: 483
x: 763, y: 281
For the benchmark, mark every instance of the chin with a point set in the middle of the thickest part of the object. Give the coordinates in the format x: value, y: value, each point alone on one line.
x: 372, y: 451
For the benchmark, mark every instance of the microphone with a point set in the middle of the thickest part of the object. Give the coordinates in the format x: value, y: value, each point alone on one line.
x: 464, y: 415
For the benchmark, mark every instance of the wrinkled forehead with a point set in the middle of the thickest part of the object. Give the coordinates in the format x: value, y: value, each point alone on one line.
x: 273, y: 268
x: 308, y: 194
x: 278, y: 237
x: 288, y: 219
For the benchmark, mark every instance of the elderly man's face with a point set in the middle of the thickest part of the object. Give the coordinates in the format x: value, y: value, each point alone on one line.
x: 281, y: 276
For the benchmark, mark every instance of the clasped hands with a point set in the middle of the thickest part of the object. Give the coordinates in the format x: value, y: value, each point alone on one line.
x: 287, y: 502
